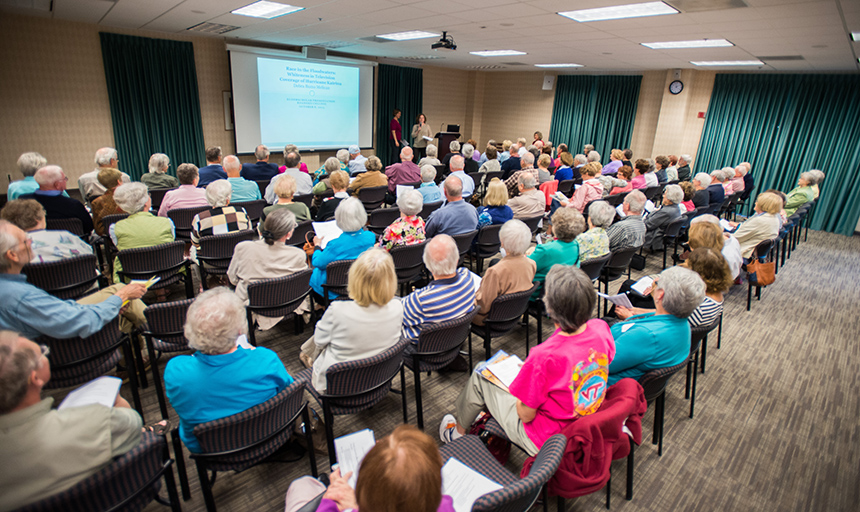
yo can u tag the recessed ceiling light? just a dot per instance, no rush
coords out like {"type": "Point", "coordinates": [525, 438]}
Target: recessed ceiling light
{"type": "Point", "coordinates": [727, 63]}
{"type": "Point", "coordinates": [617, 12]}
{"type": "Point", "coordinates": [267, 10]}
{"type": "Point", "coordinates": [558, 65]}
{"type": "Point", "coordinates": [497, 53]}
{"type": "Point", "coordinates": [406, 36]}
{"type": "Point", "coordinates": [855, 36]}
{"type": "Point", "coordinates": [698, 43]}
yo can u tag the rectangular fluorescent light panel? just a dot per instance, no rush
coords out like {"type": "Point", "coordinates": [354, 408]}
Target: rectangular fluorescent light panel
{"type": "Point", "coordinates": [558, 65]}
{"type": "Point", "coordinates": [497, 53]}
{"type": "Point", "coordinates": [406, 36]}
{"type": "Point", "coordinates": [618, 12]}
{"type": "Point", "coordinates": [727, 63]}
{"type": "Point", "coordinates": [699, 43]}
{"type": "Point", "coordinates": [267, 10]}
{"type": "Point", "coordinates": [855, 36]}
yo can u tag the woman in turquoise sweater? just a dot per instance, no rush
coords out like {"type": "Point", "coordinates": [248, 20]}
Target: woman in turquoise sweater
{"type": "Point", "coordinates": [567, 224]}
{"type": "Point", "coordinates": [141, 228]}
{"type": "Point", "coordinates": [350, 217]}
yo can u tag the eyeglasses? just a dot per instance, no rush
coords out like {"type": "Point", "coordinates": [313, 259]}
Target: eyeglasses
{"type": "Point", "coordinates": [46, 350]}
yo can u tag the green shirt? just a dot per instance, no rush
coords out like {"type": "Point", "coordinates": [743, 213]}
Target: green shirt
{"type": "Point", "coordinates": [141, 229]}
{"type": "Point", "coordinates": [553, 253]}
{"type": "Point", "coordinates": [159, 180]}
{"type": "Point", "coordinates": [300, 210]}
{"type": "Point", "coordinates": [797, 198]}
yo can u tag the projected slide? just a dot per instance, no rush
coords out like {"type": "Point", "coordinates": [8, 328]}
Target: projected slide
{"type": "Point", "coordinates": [308, 104]}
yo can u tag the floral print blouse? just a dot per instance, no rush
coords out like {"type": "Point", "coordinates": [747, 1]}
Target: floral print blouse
{"type": "Point", "coordinates": [593, 244]}
{"type": "Point", "coordinates": [404, 231]}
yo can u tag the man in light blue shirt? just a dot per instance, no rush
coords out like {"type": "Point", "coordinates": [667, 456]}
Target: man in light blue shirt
{"type": "Point", "coordinates": [458, 163]}
{"type": "Point", "coordinates": [454, 218]}
{"type": "Point", "coordinates": [356, 161]}
{"type": "Point", "coordinates": [243, 190]}
{"type": "Point", "coordinates": [28, 164]}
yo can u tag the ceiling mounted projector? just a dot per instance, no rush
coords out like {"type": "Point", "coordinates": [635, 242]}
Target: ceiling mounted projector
{"type": "Point", "coordinates": [446, 43]}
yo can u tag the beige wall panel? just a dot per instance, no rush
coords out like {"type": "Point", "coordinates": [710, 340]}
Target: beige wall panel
{"type": "Point", "coordinates": [515, 106]}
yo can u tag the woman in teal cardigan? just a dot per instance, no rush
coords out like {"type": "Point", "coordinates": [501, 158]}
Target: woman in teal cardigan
{"type": "Point", "coordinates": [350, 217]}
{"type": "Point", "coordinates": [801, 194]}
{"type": "Point", "coordinates": [141, 228]}
{"type": "Point", "coordinates": [567, 224]}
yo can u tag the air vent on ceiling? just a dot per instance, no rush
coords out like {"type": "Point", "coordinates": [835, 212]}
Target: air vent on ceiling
{"type": "Point", "coordinates": [491, 66]}
{"type": "Point", "coordinates": [514, 63]}
{"type": "Point", "coordinates": [335, 44]}
{"type": "Point", "coordinates": [212, 28]}
{"type": "Point", "coordinates": [421, 57]}
{"type": "Point", "coordinates": [773, 58]}
{"type": "Point", "coordinates": [687, 6]}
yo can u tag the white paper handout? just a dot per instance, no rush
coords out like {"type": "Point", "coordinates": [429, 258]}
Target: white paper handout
{"type": "Point", "coordinates": [351, 449]}
{"type": "Point", "coordinates": [642, 285]}
{"type": "Point", "coordinates": [477, 280]}
{"type": "Point", "coordinates": [619, 300]}
{"type": "Point", "coordinates": [99, 391]}
{"type": "Point", "coordinates": [464, 485]}
{"type": "Point", "coordinates": [401, 189]}
{"type": "Point", "coordinates": [242, 341]}
{"type": "Point", "coordinates": [428, 139]}
{"type": "Point", "coordinates": [507, 369]}
{"type": "Point", "coordinates": [327, 231]}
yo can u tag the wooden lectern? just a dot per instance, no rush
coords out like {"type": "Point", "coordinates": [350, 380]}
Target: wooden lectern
{"type": "Point", "coordinates": [445, 139]}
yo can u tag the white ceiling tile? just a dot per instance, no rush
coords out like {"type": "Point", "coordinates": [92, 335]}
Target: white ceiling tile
{"type": "Point", "coordinates": [88, 11]}
{"type": "Point", "coordinates": [136, 14]}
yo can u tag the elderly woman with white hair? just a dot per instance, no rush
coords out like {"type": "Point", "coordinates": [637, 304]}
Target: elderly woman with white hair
{"type": "Point", "coordinates": [657, 222]}
{"type": "Point", "coordinates": [594, 243]}
{"type": "Point", "coordinates": [727, 173]}
{"type": "Point", "coordinates": [364, 326]}
{"type": "Point", "coordinates": [221, 218]}
{"type": "Point", "coordinates": [431, 158]}
{"type": "Point", "coordinates": [454, 150]}
{"type": "Point", "coordinates": [470, 164]}
{"type": "Point", "coordinates": [660, 339]}
{"type": "Point", "coordinates": [157, 176]}
{"type": "Point", "coordinates": [350, 217]}
{"type": "Point", "coordinates": [817, 175]}
{"type": "Point", "coordinates": [221, 378]}
{"type": "Point", "coordinates": [801, 194]}
{"type": "Point", "coordinates": [513, 273]}
{"type": "Point", "coordinates": [429, 190]}
{"type": "Point", "coordinates": [408, 229]}
{"type": "Point", "coordinates": [141, 228]}
{"type": "Point", "coordinates": [330, 166]}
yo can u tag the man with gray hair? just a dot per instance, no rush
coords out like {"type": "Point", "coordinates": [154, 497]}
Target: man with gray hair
{"type": "Point", "coordinates": [450, 295]}
{"type": "Point", "coordinates": [684, 172]}
{"type": "Point", "coordinates": [88, 183]}
{"type": "Point", "coordinates": [593, 156]}
{"type": "Point", "coordinates": [52, 183]}
{"type": "Point", "coordinates": [657, 221]}
{"type": "Point", "coordinates": [356, 160]}
{"type": "Point", "coordinates": [242, 189]}
{"type": "Point", "coordinates": [454, 218]}
{"type": "Point", "coordinates": [529, 202]}
{"type": "Point", "coordinates": [630, 230]}
{"type": "Point", "coordinates": [46, 451]}
{"type": "Point", "coordinates": [406, 171]}
{"type": "Point", "coordinates": [304, 183]}
{"type": "Point", "coordinates": [648, 341]}
{"type": "Point", "coordinates": [28, 164]}
{"type": "Point", "coordinates": [701, 182]}
{"type": "Point", "coordinates": [458, 164]}
{"type": "Point", "coordinates": [527, 163]}
{"type": "Point", "coordinates": [261, 170]}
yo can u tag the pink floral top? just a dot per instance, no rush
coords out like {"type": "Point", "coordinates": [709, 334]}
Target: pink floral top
{"type": "Point", "coordinates": [404, 231]}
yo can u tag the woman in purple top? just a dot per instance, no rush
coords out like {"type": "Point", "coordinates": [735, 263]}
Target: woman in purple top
{"type": "Point", "coordinates": [394, 139]}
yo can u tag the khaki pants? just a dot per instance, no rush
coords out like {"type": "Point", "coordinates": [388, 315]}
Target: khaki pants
{"type": "Point", "coordinates": [480, 393]}
{"type": "Point", "coordinates": [133, 315]}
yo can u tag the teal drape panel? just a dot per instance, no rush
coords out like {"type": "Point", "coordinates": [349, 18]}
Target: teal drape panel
{"type": "Point", "coordinates": [154, 102]}
{"type": "Point", "coordinates": [784, 125]}
{"type": "Point", "coordinates": [598, 110]}
{"type": "Point", "coordinates": [397, 87]}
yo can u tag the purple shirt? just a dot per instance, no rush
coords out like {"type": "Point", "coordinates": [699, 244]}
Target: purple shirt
{"type": "Point", "coordinates": [186, 196]}
{"type": "Point", "coordinates": [394, 127]}
{"type": "Point", "coordinates": [403, 172]}
{"type": "Point", "coordinates": [612, 166]}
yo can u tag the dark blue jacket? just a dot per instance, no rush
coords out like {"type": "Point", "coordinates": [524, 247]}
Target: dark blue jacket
{"type": "Point", "coordinates": [210, 173]}
{"type": "Point", "coordinates": [259, 171]}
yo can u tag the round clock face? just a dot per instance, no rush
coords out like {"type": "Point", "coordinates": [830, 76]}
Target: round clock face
{"type": "Point", "coordinates": [676, 87]}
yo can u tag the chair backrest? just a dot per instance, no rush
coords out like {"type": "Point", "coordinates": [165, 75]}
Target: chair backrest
{"type": "Point", "coordinates": [298, 238]}
{"type": "Point", "coordinates": [308, 199]}
{"type": "Point", "coordinates": [68, 278]}
{"type": "Point", "coordinates": [357, 385]}
{"type": "Point", "coordinates": [113, 218]}
{"type": "Point", "coordinates": [78, 360]}
{"type": "Point", "coordinates": [464, 241]}
{"type": "Point", "coordinates": [492, 174]}
{"type": "Point", "coordinates": [408, 261]}
{"type": "Point", "coordinates": [71, 224]}
{"type": "Point", "coordinates": [439, 342]}
{"type": "Point", "coordinates": [182, 218]}
{"type": "Point", "coordinates": [593, 266]}
{"type": "Point", "coordinates": [253, 209]}
{"type": "Point", "coordinates": [163, 260]}
{"type": "Point", "coordinates": [488, 243]}
{"type": "Point", "coordinates": [616, 199]}
{"type": "Point", "coordinates": [506, 310]}
{"type": "Point", "coordinates": [428, 209]}
{"type": "Point", "coordinates": [157, 196]}
{"type": "Point", "coordinates": [674, 227]}
{"type": "Point", "coordinates": [698, 333]}
{"type": "Point", "coordinates": [337, 276]}
{"type": "Point", "coordinates": [565, 186]}
{"type": "Point", "coordinates": [476, 177]}
{"type": "Point", "coordinates": [654, 382]}
{"type": "Point", "coordinates": [652, 193]}
{"type": "Point", "coordinates": [165, 324]}
{"type": "Point", "coordinates": [441, 171]}
{"type": "Point", "coordinates": [217, 250]}
{"type": "Point", "coordinates": [619, 261]}
{"type": "Point", "coordinates": [129, 482]}
{"type": "Point", "coordinates": [242, 440]}
{"type": "Point", "coordinates": [762, 250]}
{"type": "Point", "coordinates": [279, 296]}
{"type": "Point", "coordinates": [381, 218]}
{"type": "Point", "coordinates": [372, 197]}
{"type": "Point", "coordinates": [533, 223]}
{"type": "Point", "coordinates": [262, 185]}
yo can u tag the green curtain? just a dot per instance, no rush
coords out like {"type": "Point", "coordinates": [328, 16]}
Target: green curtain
{"type": "Point", "coordinates": [154, 102]}
{"type": "Point", "coordinates": [598, 110]}
{"type": "Point", "coordinates": [397, 87]}
{"type": "Point", "coordinates": [784, 125]}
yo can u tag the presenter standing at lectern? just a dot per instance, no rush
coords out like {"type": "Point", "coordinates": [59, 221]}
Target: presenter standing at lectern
{"type": "Point", "coordinates": [419, 131]}
{"type": "Point", "coordinates": [394, 138]}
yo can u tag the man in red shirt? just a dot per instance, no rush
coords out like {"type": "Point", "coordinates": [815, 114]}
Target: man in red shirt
{"type": "Point", "coordinates": [404, 172]}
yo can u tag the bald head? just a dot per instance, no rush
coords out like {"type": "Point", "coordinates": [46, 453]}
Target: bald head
{"type": "Point", "coordinates": [458, 163]}
{"type": "Point", "coordinates": [453, 188]}
{"type": "Point", "coordinates": [19, 358]}
{"type": "Point", "coordinates": [406, 154]}
{"type": "Point", "coordinates": [232, 166]}
{"type": "Point", "coordinates": [51, 177]}
{"type": "Point", "coordinates": [441, 256]}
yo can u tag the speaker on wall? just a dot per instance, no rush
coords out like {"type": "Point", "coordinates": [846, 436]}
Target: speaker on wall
{"type": "Point", "coordinates": [548, 80]}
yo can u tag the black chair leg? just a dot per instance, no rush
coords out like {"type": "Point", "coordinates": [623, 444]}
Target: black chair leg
{"type": "Point", "coordinates": [560, 505]}
{"type": "Point", "coordinates": [539, 328]}
{"type": "Point", "coordinates": [206, 487]}
{"type": "Point", "coordinates": [662, 412]}
{"type": "Point", "coordinates": [138, 353]}
{"type": "Point", "coordinates": [419, 406]}
{"type": "Point", "coordinates": [690, 366]}
{"type": "Point", "coordinates": [180, 464]}
{"type": "Point", "coordinates": [252, 328]}
{"type": "Point", "coordinates": [608, 491]}
{"type": "Point", "coordinates": [470, 351]}
{"type": "Point", "coordinates": [202, 274]}
{"type": "Point", "coordinates": [749, 296]}
{"type": "Point", "coordinates": [329, 433]}
{"type": "Point", "coordinates": [170, 483]}
{"type": "Point", "coordinates": [704, 351]}
{"type": "Point", "coordinates": [189, 283]}
{"type": "Point", "coordinates": [132, 376]}
{"type": "Point", "coordinates": [403, 394]}
{"type": "Point", "coordinates": [309, 439]}
{"type": "Point", "coordinates": [630, 466]}
{"type": "Point", "coordinates": [693, 394]}
{"type": "Point", "coordinates": [487, 345]}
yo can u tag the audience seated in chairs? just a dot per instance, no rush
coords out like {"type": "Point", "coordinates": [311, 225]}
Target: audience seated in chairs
{"type": "Point", "coordinates": [567, 224]}
{"type": "Point", "coordinates": [594, 243]}
{"type": "Point", "coordinates": [458, 164]}
{"type": "Point", "coordinates": [512, 181]}
{"type": "Point", "coordinates": [590, 190]}
{"type": "Point", "coordinates": [350, 217]}
{"type": "Point", "coordinates": [157, 176]}
{"type": "Point", "coordinates": [105, 204]}
{"type": "Point", "coordinates": [689, 193]}
{"type": "Point", "coordinates": [764, 225]}
{"type": "Point", "coordinates": [28, 164]}
{"type": "Point", "coordinates": [611, 183]}
{"type": "Point", "coordinates": [221, 218]}
{"type": "Point", "coordinates": [658, 220]}
{"type": "Point", "coordinates": [221, 378]}
{"type": "Point", "coordinates": [187, 195]}
{"type": "Point", "coordinates": [364, 326]}
{"type": "Point", "coordinates": [543, 163]}
{"type": "Point", "coordinates": [405, 171]}
{"type": "Point", "coordinates": [625, 174]}
{"type": "Point", "coordinates": [630, 230]}
{"type": "Point", "coordinates": [212, 170]}
{"type": "Point", "coordinates": [496, 209]}
{"type": "Point", "coordinates": [429, 190]}
{"type": "Point", "coordinates": [88, 183]}
{"type": "Point", "coordinates": [242, 190]}
{"type": "Point", "coordinates": [710, 236]}
{"type": "Point", "coordinates": [491, 164]}
{"type": "Point", "coordinates": [450, 295]}
{"type": "Point", "coordinates": [409, 228]}
{"type": "Point", "coordinates": [641, 169]}
{"type": "Point", "coordinates": [797, 197]}
{"type": "Point", "coordinates": [738, 178]}
{"type": "Point", "coordinates": [141, 228]}
{"type": "Point", "coordinates": [540, 402]}
{"type": "Point", "coordinates": [33, 312]}
{"type": "Point", "coordinates": [513, 273]}
{"type": "Point", "coordinates": [727, 173]}
{"type": "Point", "coordinates": [403, 471]}
{"type": "Point", "coordinates": [432, 152]}
{"type": "Point", "coordinates": [304, 182]}
{"type": "Point", "coordinates": [46, 451]}
{"type": "Point", "coordinates": [339, 181]}
{"type": "Point", "coordinates": [456, 216]}
{"type": "Point", "coordinates": [46, 246]}
{"type": "Point", "coordinates": [529, 202]}
{"type": "Point", "coordinates": [285, 189]}
{"type": "Point", "coordinates": [267, 258]}
{"type": "Point", "coordinates": [818, 176]}
{"type": "Point", "coordinates": [701, 182]}
{"type": "Point", "coordinates": [661, 339]}
{"type": "Point", "coordinates": [373, 177]}
{"type": "Point", "coordinates": [323, 183]}
{"type": "Point", "coordinates": [52, 184]}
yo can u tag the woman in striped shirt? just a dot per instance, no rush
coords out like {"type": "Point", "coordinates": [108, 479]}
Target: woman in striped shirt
{"type": "Point", "coordinates": [714, 270]}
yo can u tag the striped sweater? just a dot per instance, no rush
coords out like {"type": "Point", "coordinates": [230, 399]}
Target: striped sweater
{"type": "Point", "coordinates": [441, 300]}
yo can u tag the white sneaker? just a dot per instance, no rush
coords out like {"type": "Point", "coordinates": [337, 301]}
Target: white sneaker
{"type": "Point", "coordinates": [448, 429]}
